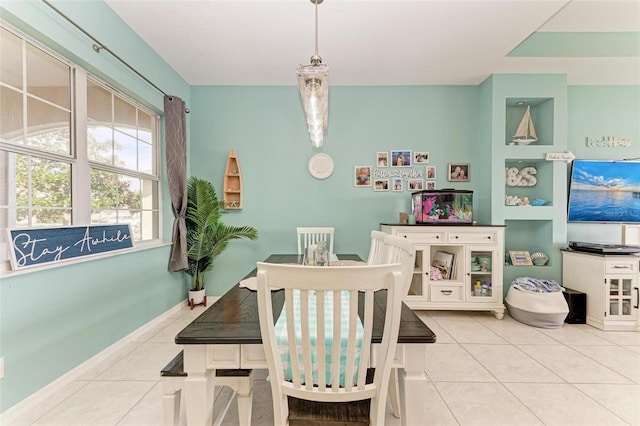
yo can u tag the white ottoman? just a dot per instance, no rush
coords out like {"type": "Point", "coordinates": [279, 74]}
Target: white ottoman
{"type": "Point", "coordinates": [534, 307]}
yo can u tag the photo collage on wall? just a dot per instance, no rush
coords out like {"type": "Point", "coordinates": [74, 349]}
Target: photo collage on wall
{"type": "Point", "coordinates": [397, 171]}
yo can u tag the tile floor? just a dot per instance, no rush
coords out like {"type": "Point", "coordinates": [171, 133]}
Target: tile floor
{"type": "Point", "coordinates": [482, 371]}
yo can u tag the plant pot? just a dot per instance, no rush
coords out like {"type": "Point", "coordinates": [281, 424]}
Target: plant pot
{"type": "Point", "coordinates": [197, 297]}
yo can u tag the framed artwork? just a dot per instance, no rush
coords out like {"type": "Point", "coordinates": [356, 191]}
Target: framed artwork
{"type": "Point", "coordinates": [416, 184]}
{"type": "Point", "coordinates": [382, 159]}
{"type": "Point", "coordinates": [381, 185]}
{"type": "Point", "coordinates": [458, 172]}
{"type": "Point", "coordinates": [362, 176]}
{"type": "Point", "coordinates": [431, 172]}
{"type": "Point", "coordinates": [397, 184]}
{"type": "Point", "coordinates": [431, 185]}
{"type": "Point", "coordinates": [520, 258]}
{"type": "Point", "coordinates": [401, 158]}
{"type": "Point", "coordinates": [421, 157]}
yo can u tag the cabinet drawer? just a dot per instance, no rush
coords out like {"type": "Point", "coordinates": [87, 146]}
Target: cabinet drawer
{"type": "Point", "coordinates": [446, 293]}
{"type": "Point", "coordinates": [424, 237]}
{"type": "Point", "coordinates": [473, 237]}
{"type": "Point", "coordinates": [622, 266]}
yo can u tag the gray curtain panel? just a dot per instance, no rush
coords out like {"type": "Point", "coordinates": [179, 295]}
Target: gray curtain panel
{"type": "Point", "coordinates": [176, 154]}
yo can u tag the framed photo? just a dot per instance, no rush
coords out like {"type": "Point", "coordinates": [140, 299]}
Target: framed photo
{"type": "Point", "coordinates": [431, 185]}
{"type": "Point", "coordinates": [520, 258]}
{"type": "Point", "coordinates": [397, 184]}
{"type": "Point", "coordinates": [431, 172]}
{"type": "Point", "coordinates": [458, 172]}
{"type": "Point", "coordinates": [416, 184]}
{"type": "Point", "coordinates": [382, 159]}
{"type": "Point", "coordinates": [421, 157]}
{"type": "Point", "coordinates": [401, 158]}
{"type": "Point", "coordinates": [362, 176]}
{"type": "Point", "coordinates": [381, 185]}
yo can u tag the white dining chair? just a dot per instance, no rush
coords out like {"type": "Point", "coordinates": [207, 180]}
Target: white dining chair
{"type": "Point", "coordinates": [377, 249]}
{"type": "Point", "coordinates": [403, 251]}
{"type": "Point", "coordinates": [313, 235]}
{"type": "Point", "coordinates": [330, 299]}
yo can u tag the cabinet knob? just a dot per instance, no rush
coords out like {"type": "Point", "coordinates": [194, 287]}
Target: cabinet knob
{"type": "Point", "coordinates": [456, 237]}
{"type": "Point", "coordinates": [437, 236]}
{"type": "Point", "coordinates": [446, 292]}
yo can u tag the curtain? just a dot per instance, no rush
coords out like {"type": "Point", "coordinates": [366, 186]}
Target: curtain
{"type": "Point", "coordinates": [176, 156]}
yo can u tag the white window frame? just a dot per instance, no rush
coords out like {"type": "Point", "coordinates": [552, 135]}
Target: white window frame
{"type": "Point", "coordinates": [78, 157]}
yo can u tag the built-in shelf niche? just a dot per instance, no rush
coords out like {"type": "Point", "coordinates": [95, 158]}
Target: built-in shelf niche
{"type": "Point", "coordinates": [541, 114]}
{"type": "Point", "coordinates": [543, 188]}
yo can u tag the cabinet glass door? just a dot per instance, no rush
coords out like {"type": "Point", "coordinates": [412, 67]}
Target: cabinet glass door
{"type": "Point", "coordinates": [418, 280]}
{"type": "Point", "coordinates": [479, 267]}
{"type": "Point", "coordinates": [620, 298]}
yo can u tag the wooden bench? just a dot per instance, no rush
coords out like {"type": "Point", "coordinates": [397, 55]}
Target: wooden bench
{"type": "Point", "coordinates": [173, 376]}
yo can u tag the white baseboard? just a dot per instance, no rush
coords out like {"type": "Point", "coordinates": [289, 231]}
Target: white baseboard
{"type": "Point", "coordinates": [45, 392]}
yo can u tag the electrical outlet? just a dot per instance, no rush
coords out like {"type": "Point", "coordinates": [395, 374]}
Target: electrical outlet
{"type": "Point", "coordinates": [1, 367]}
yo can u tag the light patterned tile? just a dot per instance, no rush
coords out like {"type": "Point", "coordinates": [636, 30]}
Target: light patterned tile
{"type": "Point", "coordinates": [516, 332]}
{"type": "Point", "coordinates": [549, 403]}
{"type": "Point", "coordinates": [509, 364]}
{"type": "Point", "coordinates": [168, 334]}
{"type": "Point", "coordinates": [452, 363]}
{"type": "Point", "coordinates": [622, 400]}
{"type": "Point", "coordinates": [628, 338]}
{"type": "Point", "coordinates": [98, 403]}
{"type": "Point", "coordinates": [574, 334]}
{"type": "Point", "coordinates": [468, 330]}
{"type": "Point", "coordinates": [571, 365]}
{"type": "Point", "coordinates": [144, 363]}
{"type": "Point", "coordinates": [617, 358]}
{"type": "Point", "coordinates": [485, 404]}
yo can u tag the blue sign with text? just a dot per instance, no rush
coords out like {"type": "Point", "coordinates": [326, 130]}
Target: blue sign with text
{"type": "Point", "coordinates": [31, 247]}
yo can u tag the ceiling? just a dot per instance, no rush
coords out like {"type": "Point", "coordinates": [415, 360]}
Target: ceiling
{"type": "Point", "coordinates": [391, 42]}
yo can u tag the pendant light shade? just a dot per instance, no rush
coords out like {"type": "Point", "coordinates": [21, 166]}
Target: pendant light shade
{"type": "Point", "coordinates": [313, 80]}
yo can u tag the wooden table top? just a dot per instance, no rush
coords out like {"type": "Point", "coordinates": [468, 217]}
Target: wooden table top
{"type": "Point", "coordinates": [233, 318]}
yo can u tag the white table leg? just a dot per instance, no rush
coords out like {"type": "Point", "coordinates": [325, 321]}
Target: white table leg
{"type": "Point", "coordinates": [198, 386]}
{"type": "Point", "coordinates": [413, 384]}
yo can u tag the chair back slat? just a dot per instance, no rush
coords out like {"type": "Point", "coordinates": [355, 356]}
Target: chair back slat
{"type": "Point", "coordinates": [403, 251]}
{"type": "Point", "coordinates": [314, 235]}
{"type": "Point", "coordinates": [377, 250]}
{"type": "Point", "coordinates": [344, 301]}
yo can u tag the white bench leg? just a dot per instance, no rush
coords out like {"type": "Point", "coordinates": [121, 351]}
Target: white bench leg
{"type": "Point", "coordinates": [172, 391]}
{"type": "Point", "coordinates": [244, 388]}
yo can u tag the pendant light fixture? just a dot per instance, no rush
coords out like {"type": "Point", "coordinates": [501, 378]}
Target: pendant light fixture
{"type": "Point", "coordinates": [313, 80]}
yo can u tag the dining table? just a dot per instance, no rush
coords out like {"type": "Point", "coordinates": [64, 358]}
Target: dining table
{"type": "Point", "coordinates": [227, 336]}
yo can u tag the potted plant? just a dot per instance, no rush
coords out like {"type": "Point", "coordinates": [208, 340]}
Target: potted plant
{"type": "Point", "coordinates": [207, 235]}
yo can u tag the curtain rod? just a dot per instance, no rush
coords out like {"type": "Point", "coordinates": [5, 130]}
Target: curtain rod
{"type": "Point", "coordinates": [98, 45]}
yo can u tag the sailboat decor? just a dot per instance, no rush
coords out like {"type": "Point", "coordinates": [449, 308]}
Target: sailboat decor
{"type": "Point", "coordinates": [526, 133]}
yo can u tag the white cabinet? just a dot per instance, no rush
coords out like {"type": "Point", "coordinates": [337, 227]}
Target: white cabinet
{"type": "Point", "coordinates": [475, 280]}
{"type": "Point", "coordinates": [611, 285]}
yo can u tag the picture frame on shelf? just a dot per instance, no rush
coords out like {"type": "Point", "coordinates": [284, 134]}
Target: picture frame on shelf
{"type": "Point", "coordinates": [401, 158]}
{"type": "Point", "coordinates": [421, 157]}
{"type": "Point", "coordinates": [458, 172]}
{"type": "Point", "coordinates": [431, 172]}
{"type": "Point", "coordinates": [381, 185]}
{"type": "Point", "coordinates": [382, 159]}
{"type": "Point", "coordinates": [520, 258]}
{"type": "Point", "coordinates": [397, 185]}
{"type": "Point", "coordinates": [362, 176]}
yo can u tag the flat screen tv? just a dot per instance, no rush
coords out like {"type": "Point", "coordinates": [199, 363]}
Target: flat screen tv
{"type": "Point", "coordinates": [604, 191]}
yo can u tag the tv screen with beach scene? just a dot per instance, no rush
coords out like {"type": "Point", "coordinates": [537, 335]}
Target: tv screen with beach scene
{"type": "Point", "coordinates": [604, 191]}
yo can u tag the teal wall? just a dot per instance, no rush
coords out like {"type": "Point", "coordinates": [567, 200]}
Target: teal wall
{"type": "Point", "coordinates": [266, 128]}
{"type": "Point", "coordinates": [54, 319]}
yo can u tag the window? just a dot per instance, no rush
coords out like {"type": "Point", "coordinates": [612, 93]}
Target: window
{"type": "Point", "coordinates": [70, 159]}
